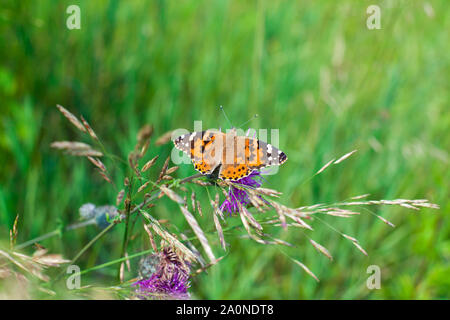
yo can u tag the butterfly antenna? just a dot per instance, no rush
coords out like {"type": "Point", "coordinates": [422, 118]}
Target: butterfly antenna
{"type": "Point", "coordinates": [252, 118]}
{"type": "Point", "coordinates": [225, 115]}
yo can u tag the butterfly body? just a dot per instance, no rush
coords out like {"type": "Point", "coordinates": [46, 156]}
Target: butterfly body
{"type": "Point", "coordinates": [228, 155]}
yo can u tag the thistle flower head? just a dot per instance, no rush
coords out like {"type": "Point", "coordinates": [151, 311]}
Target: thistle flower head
{"type": "Point", "coordinates": [174, 287]}
{"type": "Point", "coordinates": [236, 195]}
{"type": "Point", "coordinates": [165, 275]}
{"type": "Point", "coordinates": [102, 215]}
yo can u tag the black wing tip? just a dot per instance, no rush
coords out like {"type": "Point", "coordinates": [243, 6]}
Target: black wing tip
{"type": "Point", "coordinates": [282, 157]}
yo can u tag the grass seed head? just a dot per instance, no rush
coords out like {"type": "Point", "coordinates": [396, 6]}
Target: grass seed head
{"type": "Point", "coordinates": [69, 116]}
{"type": "Point", "coordinates": [89, 129]}
{"type": "Point", "coordinates": [149, 164]}
{"type": "Point", "coordinates": [76, 148]}
{"type": "Point", "coordinates": [165, 138]}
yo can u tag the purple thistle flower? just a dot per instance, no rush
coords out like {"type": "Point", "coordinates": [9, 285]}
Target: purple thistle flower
{"type": "Point", "coordinates": [170, 280]}
{"type": "Point", "coordinates": [174, 287]}
{"type": "Point", "coordinates": [236, 195]}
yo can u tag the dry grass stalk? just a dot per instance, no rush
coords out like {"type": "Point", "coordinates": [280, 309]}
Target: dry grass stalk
{"type": "Point", "coordinates": [207, 266]}
{"type": "Point", "coordinates": [349, 237]}
{"type": "Point", "coordinates": [360, 196]}
{"type": "Point", "coordinates": [127, 203]}
{"type": "Point", "coordinates": [172, 195]}
{"type": "Point", "coordinates": [144, 148]}
{"type": "Point", "coordinates": [279, 208]}
{"type": "Point", "coordinates": [119, 197]}
{"type": "Point", "coordinates": [133, 159]}
{"type": "Point", "coordinates": [35, 264]}
{"type": "Point", "coordinates": [165, 138]}
{"type": "Point", "coordinates": [360, 248]}
{"type": "Point", "coordinates": [127, 262]}
{"type": "Point", "coordinates": [257, 202]}
{"type": "Point", "coordinates": [104, 176]}
{"type": "Point", "coordinates": [411, 204]}
{"type": "Point", "coordinates": [337, 214]}
{"type": "Point", "coordinates": [89, 129]}
{"type": "Point", "coordinates": [277, 223]}
{"type": "Point", "coordinates": [321, 249]}
{"type": "Point", "coordinates": [215, 206]}
{"type": "Point", "coordinates": [134, 156]}
{"type": "Point", "coordinates": [169, 238]}
{"type": "Point", "coordinates": [310, 207]}
{"type": "Point", "coordinates": [51, 260]}
{"type": "Point", "coordinates": [13, 233]}
{"type": "Point", "coordinates": [246, 225]}
{"type": "Point", "coordinates": [244, 220]}
{"type": "Point", "coordinates": [143, 135]}
{"type": "Point", "coordinates": [259, 240]}
{"type": "Point", "coordinates": [145, 185]}
{"type": "Point", "coordinates": [333, 161]}
{"type": "Point", "coordinates": [405, 205]}
{"type": "Point", "coordinates": [345, 156]}
{"type": "Point", "coordinates": [202, 183]}
{"type": "Point", "coordinates": [167, 178]}
{"type": "Point", "coordinates": [149, 164]}
{"type": "Point", "coordinates": [250, 218]}
{"type": "Point", "coordinates": [193, 249]}
{"type": "Point", "coordinates": [299, 221]}
{"type": "Point", "coordinates": [282, 242]}
{"type": "Point", "coordinates": [355, 243]}
{"type": "Point", "coordinates": [162, 173]}
{"type": "Point", "coordinates": [172, 170]}
{"type": "Point", "coordinates": [76, 148]}
{"type": "Point", "coordinates": [193, 201]}
{"type": "Point", "coordinates": [151, 238]}
{"type": "Point", "coordinates": [198, 232]}
{"type": "Point", "coordinates": [164, 168]}
{"type": "Point", "coordinates": [69, 116]}
{"type": "Point", "coordinates": [14, 261]}
{"type": "Point", "coordinates": [333, 211]}
{"type": "Point", "coordinates": [324, 167]}
{"type": "Point", "coordinates": [121, 272]}
{"type": "Point", "coordinates": [386, 221]}
{"type": "Point", "coordinates": [219, 230]}
{"type": "Point", "coordinates": [96, 162]}
{"type": "Point", "coordinates": [276, 241]}
{"type": "Point", "coordinates": [226, 195]}
{"type": "Point", "coordinates": [306, 269]}
{"type": "Point", "coordinates": [268, 192]}
{"type": "Point", "coordinates": [199, 208]}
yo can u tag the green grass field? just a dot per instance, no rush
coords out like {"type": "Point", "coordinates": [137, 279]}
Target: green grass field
{"type": "Point", "coordinates": [313, 70]}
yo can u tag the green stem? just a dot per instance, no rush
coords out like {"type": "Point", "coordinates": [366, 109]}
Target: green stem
{"type": "Point", "coordinates": [127, 220]}
{"type": "Point", "coordinates": [55, 233]}
{"type": "Point", "coordinates": [110, 263]}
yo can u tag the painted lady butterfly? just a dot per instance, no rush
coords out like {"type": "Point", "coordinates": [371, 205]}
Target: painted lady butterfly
{"type": "Point", "coordinates": [226, 155]}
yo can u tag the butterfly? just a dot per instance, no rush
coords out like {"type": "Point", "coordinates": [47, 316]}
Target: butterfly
{"type": "Point", "coordinates": [227, 155]}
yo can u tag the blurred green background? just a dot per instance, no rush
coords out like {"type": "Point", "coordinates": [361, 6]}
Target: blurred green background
{"type": "Point", "coordinates": [311, 69]}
